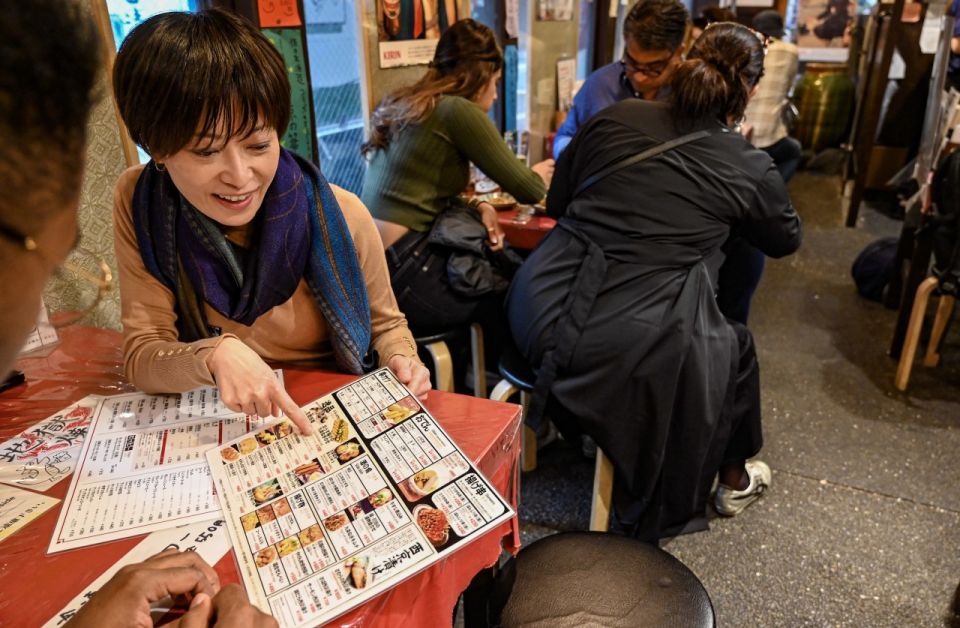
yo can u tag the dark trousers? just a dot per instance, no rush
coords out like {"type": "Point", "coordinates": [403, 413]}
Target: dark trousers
{"type": "Point", "coordinates": [431, 307]}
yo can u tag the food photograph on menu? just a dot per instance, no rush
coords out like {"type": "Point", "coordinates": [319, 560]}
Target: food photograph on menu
{"type": "Point", "coordinates": [376, 493]}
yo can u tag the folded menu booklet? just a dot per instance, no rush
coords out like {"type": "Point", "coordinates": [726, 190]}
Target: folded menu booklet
{"type": "Point", "coordinates": [376, 493]}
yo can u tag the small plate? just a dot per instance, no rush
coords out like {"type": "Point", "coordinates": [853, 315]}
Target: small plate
{"type": "Point", "coordinates": [501, 201]}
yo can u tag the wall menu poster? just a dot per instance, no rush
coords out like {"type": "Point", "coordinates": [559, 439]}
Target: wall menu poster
{"type": "Point", "coordinates": [320, 524]}
{"type": "Point", "coordinates": [408, 30]}
{"type": "Point", "coordinates": [142, 466]}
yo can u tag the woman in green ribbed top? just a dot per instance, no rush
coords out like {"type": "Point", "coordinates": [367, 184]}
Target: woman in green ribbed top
{"type": "Point", "coordinates": [423, 139]}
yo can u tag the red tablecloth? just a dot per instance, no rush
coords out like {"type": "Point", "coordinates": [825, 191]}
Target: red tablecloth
{"type": "Point", "coordinates": [524, 235]}
{"type": "Point", "coordinates": [36, 586]}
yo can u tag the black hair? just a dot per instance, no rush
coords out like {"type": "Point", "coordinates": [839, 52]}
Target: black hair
{"type": "Point", "coordinates": [723, 66]}
{"type": "Point", "coordinates": [50, 54]}
{"type": "Point", "coordinates": [179, 76]}
{"type": "Point", "coordinates": [656, 24]}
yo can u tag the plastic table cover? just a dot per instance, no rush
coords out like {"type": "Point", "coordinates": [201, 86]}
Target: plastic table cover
{"type": "Point", "coordinates": [89, 361]}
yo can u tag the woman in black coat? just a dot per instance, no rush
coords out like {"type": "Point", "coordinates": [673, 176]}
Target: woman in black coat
{"type": "Point", "coordinates": [616, 309]}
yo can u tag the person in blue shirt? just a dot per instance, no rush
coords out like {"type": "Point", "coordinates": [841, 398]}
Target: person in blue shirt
{"type": "Point", "coordinates": [653, 45]}
{"type": "Point", "coordinates": [953, 69]}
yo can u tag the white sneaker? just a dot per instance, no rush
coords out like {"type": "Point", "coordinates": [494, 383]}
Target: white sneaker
{"type": "Point", "coordinates": [730, 502]}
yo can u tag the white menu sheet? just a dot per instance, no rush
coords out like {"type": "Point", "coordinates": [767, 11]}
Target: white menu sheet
{"type": "Point", "coordinates": [378, 492]}
{"type": "Point", "coordinates": [45, 453]}
{"type": "Point", "coordinates": [142, 467]}
{"type": "Point", "coordinates": [19, 507]}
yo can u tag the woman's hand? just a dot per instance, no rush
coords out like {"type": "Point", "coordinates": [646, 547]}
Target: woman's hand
{"type": "Point", "coordinates": [248, 385]}
{"type": "Point", "coordinates": [545, 170]}
{"type": "Point", "coordinates": [488, 215]}
{"type": "Point", "coordinates": [411, 374]}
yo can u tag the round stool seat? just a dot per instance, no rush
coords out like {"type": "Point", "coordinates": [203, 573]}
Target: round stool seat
{"type": "Point", "coordinates": [580, 579]}
{"type": "Point", "coordinates": [444, 336]}
{"type": "Point", "coordinates": [513, 367]}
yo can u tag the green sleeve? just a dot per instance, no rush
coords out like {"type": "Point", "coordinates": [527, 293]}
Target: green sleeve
{"type": "Point", "coordinates": [475, 136]}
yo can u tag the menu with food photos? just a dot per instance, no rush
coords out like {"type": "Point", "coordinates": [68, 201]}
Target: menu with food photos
{"type": "Point", "coordinates": [142, 466]}
{"type": "Point", "coordinates": [377, 492]}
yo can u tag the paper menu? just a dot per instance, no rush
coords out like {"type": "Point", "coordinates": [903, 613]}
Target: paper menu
{"type": "Point", "coordinates": [19, 507]}
{"type": "Point", "coordinates": [142, 466]}
{"type": "Point", "coordinates": [45, 453]}
{"type": "Point", "coordinates": [320, 524]}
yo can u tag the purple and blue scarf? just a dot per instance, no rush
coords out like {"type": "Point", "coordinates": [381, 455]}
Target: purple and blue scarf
{"type": "Point", "coordinates": [299, 233]}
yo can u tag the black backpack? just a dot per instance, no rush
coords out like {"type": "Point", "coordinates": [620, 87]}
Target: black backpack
{"type": "Point", "coordinates": [873, 268]}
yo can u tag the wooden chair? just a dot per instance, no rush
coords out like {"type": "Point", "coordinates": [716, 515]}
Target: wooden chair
{"type": "Point", "coordinates": [518, 377]}
{"type": "Point", "coordinates": [944, 311]}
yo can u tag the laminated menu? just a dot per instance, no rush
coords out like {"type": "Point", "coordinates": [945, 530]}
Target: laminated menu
{"type": "Point", "coordinates": [142, 466]}
{"type": "Point", "coordinates": [376, 493]}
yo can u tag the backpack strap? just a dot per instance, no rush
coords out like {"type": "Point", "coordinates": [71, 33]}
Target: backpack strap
{"type": "Point", "coordinates": [649, 153]}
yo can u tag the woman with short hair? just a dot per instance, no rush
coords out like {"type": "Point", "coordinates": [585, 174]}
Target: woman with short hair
{"type": "Point", "coordinates": [232, 250]}
{"type": "Point", "coordinates": [616, 312]}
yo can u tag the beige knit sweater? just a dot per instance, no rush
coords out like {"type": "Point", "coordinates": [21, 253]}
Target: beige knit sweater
{"type": "Point", "coordinates": [293, 332]}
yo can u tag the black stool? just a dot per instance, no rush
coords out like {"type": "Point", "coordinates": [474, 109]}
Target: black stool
{"type": "Point", "coordinates": [580, 579]}
{"type": "Point", "coordinates": [442, 364]}
{"type": "Point", "coordinates": [519, 377]}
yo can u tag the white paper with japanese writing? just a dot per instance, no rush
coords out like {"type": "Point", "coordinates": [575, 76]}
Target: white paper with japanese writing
{"type": "Point", "coordinates": [320, 524]}
{"type": "Point", "coordinates": [19, 507]}
{"type": "Point", "coordinates": [42, 455]}
{"type": "Point", "coordinates": [142, 466]}
{"type": "Point", "coordinates": [208, 539]}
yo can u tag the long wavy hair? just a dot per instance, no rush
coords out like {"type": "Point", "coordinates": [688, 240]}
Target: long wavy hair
{"type": "Point", "coordinates": [467, 57]}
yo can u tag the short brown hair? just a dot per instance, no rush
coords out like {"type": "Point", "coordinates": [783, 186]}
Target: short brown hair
{"type": "Point", "coordinates": [181, 75]}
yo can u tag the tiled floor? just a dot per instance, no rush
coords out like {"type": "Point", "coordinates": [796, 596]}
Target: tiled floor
{"type": "Point", "coordinates": [862, 524]}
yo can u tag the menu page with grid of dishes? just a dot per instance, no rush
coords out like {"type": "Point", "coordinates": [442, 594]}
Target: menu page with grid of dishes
{"type": "Point", "coordinates": [376, 493]}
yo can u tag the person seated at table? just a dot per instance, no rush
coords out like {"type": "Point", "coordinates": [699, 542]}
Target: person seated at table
{"type": "Point", "coordinates": [709, 15]}
{"type": "Point", "coordinates": [51, 61]}
{"type": "Point", "coordinates": [616, 312]}
{"type": "Point", "coordinates": [423, 138]}
{"type": "Point", "coordinates": [653, 34]}
{"type": "Point", "coordinates": [232, 250]}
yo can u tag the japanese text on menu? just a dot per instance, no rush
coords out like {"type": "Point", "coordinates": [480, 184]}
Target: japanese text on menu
{"type": "Point", "coordinates": [323, 523]}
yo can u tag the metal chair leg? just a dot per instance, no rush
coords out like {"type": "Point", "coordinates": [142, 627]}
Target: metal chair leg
{"type": "Point", "coordinates": [479, 361]}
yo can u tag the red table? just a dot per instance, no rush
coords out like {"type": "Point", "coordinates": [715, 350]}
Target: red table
{"type": "Point", "coordinates": [89, 361]}
{"type": "Point", "coordinates": [524, 235]}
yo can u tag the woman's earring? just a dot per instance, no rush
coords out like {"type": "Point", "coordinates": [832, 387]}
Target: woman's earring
{"type": "Point", "coordinates": [159, 166]}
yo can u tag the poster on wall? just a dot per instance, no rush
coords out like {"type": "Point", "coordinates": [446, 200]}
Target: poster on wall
{"type": "Point", "coordinates": [299, 134]}
{"type": "Point", "coordinates": [823, 29]}
{"type": "Point", "coordinates": [555, 10]}
{"type": "Point", "coordinates": [408, 30]}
